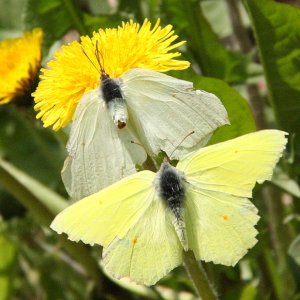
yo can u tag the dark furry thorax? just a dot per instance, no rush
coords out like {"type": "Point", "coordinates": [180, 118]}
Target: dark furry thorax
{"type": "Point", "coordinates": [170, 188]}
{"type": "Point", "coordinates": [110, 88]}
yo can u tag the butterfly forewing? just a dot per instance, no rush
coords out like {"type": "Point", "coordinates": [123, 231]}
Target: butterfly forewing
{"type": "Point", "coordinates": [235, 166]}
{"type": "Point", "coordinates": [110, 213]}
{"type": "Point", "coordinates": [99, 153]}
{"type": "Point", "coordinates": [164, 109]}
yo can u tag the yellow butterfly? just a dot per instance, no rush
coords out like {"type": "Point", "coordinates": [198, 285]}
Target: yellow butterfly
{"type": "Point", "coordinates": [146, 220]}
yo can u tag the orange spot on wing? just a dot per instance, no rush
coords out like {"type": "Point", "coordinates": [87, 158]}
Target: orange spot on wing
{"type": "Point", "coordinates": [134, 241]}
{"type": "Point", "coordinates": [225, 217]}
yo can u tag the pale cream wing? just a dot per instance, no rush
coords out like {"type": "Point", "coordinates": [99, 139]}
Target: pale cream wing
{"type": "Point", "coordinates": [165, 109]}
{"type": "Point", "coordinates": [99, 153]}
{"type": "Point", "coordinates": [108, 214]}
{"type": "Point", "coordinates": [148, 251]}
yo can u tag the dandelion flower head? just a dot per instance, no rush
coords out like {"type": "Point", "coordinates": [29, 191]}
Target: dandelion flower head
{"type": "Point", "coordinates": [70, 74]}
{"type": "Point", "coordinates": [20, 60]}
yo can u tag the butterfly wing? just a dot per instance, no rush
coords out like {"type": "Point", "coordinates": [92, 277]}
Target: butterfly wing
{"type": "Point", "coordinates": [165, 109]}
{"type": "Point", "coordinates": [148, 251]}
{"type": "Point", "coordinates": [219, 218]}
{"type": "Point", "coordinates": [220, 227]}
{"type": "Point", "coordinates": [99, 153]}
{"type": "Point", "coordinates": [110, 213]}
{"type": "Point", "coordinates": [235, 166]}
{"type": "Point", "coordinates": [131, 223]}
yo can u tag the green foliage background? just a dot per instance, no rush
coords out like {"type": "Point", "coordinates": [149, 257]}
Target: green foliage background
{"type": "Point", "coordinates": [247, 53]}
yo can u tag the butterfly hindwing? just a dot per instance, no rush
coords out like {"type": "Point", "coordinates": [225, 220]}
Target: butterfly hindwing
{"type": "Point", "coordinates": [165, 109]}
{"type": "Point", "coordinates": [99, 153]}
{"type": "Point", "coordinates": [148, 251]}
{"type": "Point", "coordinates": [110, 213]}
{"type": "Point", "coordinates": [219, 218]}
{"type": "Point", "coordinates": [220, 227]}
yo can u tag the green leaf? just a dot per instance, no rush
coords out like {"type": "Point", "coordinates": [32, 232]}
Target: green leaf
{"type": "Point", "coordinates": [29, 146]}
{"type": "Point", "coordinates": [218, 15]}
{"type": "Point", "coordinates": [8, 260]}
{"type": "Point", "coordinates": [132, 7]}
{"type": "Point", "coordinates": [94, 23]}
{"type": "Point", "coordinates": [44, 204]}
{"type": "Point", "coordinates": [237, 108]}
{"type": "Point", "coordinates": [41, 201]}
{"type": "Point", "coordinates": [205, 47]}
{"type": "Point", "coordinates": [10, 14]}
{"type": "Point", "coordinates": [55, 17]}
{"type": "Point", "coordinates": [277, 30]}
{"type": "Point", "coordinates": [249, 292]}
{"type": "Point", "coordinates": [141, 9]}
{"type": "Point", "coordinates": [282, 180]}
{"type": "Point", "coordinates": [276, 279]}
{"type": "Point", "coordinates": [294, 249]}
{"type": "Point", "coordinates": [133, 287]}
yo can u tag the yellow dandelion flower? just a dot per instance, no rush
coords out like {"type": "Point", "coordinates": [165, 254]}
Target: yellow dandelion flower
{"type": "Point", "coordinates": [70, 74]}
{"type": "Point", "coordinates": [20, 60]}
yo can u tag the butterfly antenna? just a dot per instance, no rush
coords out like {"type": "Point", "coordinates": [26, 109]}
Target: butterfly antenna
{"type": "Point", "coordinates": [98, 54]}
{"type": "Point", "coordinates": [89, 59]}
{"type": "Point", "coordinates": [149, 163]}
{"type": "Point", "coordinates": [137, 143]}
{"type": "Point", "coordinates": [192, 132]}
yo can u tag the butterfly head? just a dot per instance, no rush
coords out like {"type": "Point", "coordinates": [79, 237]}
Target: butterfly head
{"type": "Point", "coordinates": [110, 91]}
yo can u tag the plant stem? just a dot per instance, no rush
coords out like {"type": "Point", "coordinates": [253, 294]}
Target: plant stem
{"type": "Point", "coordinates": [281, 278]}
{"type": "Point", "coordinates": [270, 201]}
{"type": "Point", "coordinates": [245, 45]}
{"type": "Point", "coordinates": [24, 196]}
{"type": "Point", "coordinates": [196, 21]}
{"type": "Point", "coordinates": [82, 255]}
{"type": "Point", "coordinates": [69, 4]}
{"type": "Point", "coordinates": [238, 27]}
{"type": "Point", "coordinates": [198, 277]}
{"type": "Point", "coordinates": [274, 276]}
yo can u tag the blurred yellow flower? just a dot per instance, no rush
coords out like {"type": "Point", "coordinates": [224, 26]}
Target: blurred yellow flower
{"type": "Point", "coordinates": [70, 74]}
{"type": "Point", "coordinates": [20, 60]}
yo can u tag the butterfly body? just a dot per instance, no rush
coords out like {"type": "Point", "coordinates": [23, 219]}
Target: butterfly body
{"type": "Point", "coordinates": [170, 188]}
{"type": "Point", "coordinates": [113, 98]}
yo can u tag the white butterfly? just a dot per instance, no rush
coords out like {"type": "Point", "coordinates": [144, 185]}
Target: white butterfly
{"type": "Point", "coordinates": [144, 106]}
